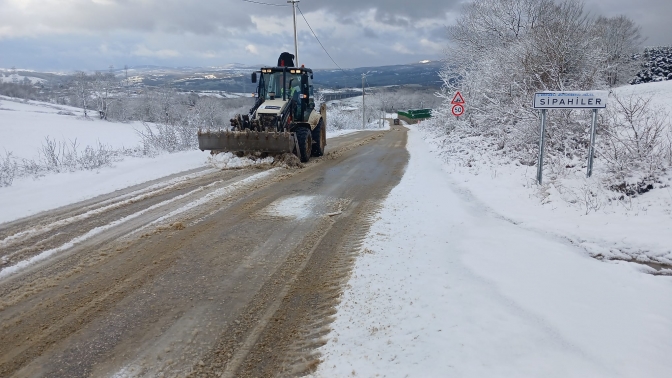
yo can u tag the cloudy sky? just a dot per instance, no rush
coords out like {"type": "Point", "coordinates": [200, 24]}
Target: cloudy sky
{"type": "Point", "coordinates": [94, 34]}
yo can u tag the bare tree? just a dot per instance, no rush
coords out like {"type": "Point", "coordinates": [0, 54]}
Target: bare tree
{"type": "Point", "coordinates": [102, 86]}
{"type": "Point", "coordinates": [209, 111]}
{"type": "Point", "coordinates": [620, 39]}
{"type": "Point", "coordinates": [82, 86]}
{"type": "Point", "coordinates": [636, 140]}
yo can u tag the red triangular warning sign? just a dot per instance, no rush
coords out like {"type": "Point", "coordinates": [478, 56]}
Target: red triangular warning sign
{"type": "Point", "coordinates": [458, 99]}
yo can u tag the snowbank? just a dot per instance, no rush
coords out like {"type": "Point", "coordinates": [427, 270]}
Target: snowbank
{"type": "Point", "coordinates": [231, 161]}
{"type": "Point", "coordinates": [446, 286]}
{"type": "Point", "coordinates": [660, 93]}
{"type": "Point", "coordinates": [28, 196]}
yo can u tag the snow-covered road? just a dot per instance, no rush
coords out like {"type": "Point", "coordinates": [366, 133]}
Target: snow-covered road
{"type": "Point", "coordinates": [461, 274]}
{"type": "Point", "coordinates": [447, 287]}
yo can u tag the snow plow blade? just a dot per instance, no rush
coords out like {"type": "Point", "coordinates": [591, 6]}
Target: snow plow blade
{"type": "Point", "coordinates": [247, 141]}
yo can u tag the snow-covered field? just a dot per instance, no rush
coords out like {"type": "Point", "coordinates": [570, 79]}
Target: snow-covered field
{"type": "Point", "coordinates": [25, 125]}
{"type": "Point", "coordinates": [448, 285]}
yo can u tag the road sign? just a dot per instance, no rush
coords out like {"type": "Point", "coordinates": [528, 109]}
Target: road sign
{"type": "Point", "coordinates": [458, 99]}
{"type": "Point", "coordinates": [458, 110]}
{"type": "Point", "coordinates": [568, 100]}
{"type": "Point", "coordinates": [571, 100]}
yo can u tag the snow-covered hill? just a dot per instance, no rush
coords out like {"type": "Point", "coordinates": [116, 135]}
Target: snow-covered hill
{"type": "Point", "coordinates": [659, 92]}
{"type": "Point", "coordinates": [14, 78]}
{"type": "Point", "coordinates": [25, 126]}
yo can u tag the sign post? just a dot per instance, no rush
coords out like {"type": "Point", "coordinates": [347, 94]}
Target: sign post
{"type": "Point", "coordinates": [569, 100]}
{"type": "Point", "coordinates": [591, 149]}
{"type": "Point", "coordinates": [458, 104]}
{"type": "Point", "coordinates": [542, 142]}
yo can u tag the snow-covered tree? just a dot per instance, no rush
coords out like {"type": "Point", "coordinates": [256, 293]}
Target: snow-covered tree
{"type": "Point", "coordinates": [209, 111]}
{"type": "Point", "coordinates": [503, 51]}
{"type": "Point", "coordinates": [656, 65]}
{"type": "Point", "coordinates": [82, 86]}
{"type": "Point", "coordinates": [102, 85]}
{"type": "Point", "coordinates": [620, 39]}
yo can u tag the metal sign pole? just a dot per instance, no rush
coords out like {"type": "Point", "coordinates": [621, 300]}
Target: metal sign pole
{"type": "Point", "coordinates": [591, 150]}
{"type": "Point", "coordinates": [363, 104]}
{"type": "Point", "coordinates": [542, 140]}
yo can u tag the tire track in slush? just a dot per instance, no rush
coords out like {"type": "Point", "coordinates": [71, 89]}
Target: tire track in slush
{"type": "Point", "coordinates": [97, 209]}
{"type": "Point", "coordinates": [98, 230]}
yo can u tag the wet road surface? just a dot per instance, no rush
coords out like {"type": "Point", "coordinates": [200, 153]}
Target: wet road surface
{"type": "Point", "coordinates": [207, 273]}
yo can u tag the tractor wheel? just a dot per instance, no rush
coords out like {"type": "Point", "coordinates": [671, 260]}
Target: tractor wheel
{"type": "Point", "coordinates": [318, 139]}
{"type": "Point", "coordinates": [305, 142]}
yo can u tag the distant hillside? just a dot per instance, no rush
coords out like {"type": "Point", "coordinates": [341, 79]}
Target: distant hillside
{"type": "Point", "coordinates": [424, 74]}
{"type": "Point", "coordinates": [236, 77]}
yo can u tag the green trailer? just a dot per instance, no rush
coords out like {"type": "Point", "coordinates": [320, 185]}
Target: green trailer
{"type": "Point", "coordinates": [414, 115]}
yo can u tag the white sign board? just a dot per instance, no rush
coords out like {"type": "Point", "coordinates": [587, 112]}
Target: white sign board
{"type": "Point", "coordinates": [571, 100]}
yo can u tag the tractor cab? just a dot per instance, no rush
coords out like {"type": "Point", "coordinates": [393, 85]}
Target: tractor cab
{"type": "Point", "coordinates": [286, 86]}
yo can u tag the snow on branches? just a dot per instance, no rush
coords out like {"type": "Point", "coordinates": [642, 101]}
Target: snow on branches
{"type": "Point", "coordinates": [656, 65]}
{"type": "Point", "coordinates": [503, 51]}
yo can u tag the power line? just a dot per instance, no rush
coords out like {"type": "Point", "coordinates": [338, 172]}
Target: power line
{"type": "Point", "coordinates": [258, 2]}
{"type": "Point", "coordinates": [318, 40]}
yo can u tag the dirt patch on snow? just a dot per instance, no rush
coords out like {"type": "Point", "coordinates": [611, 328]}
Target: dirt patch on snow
{"type": "Point", "coordinates": [288, 161]}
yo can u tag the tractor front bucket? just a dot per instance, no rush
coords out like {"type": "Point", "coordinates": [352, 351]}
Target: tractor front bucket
{"type": "Point", "coordinates": [247, 141]}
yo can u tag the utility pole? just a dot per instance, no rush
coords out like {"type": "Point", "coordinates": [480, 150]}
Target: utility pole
{"type": "Point", "coordinates": [296, 38]}
{"type": "Point", "coordinates": [126, 83]}
{"type": "Point", "coordinates": [363, 107]}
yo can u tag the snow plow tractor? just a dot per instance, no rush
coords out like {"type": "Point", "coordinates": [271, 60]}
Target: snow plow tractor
{"type": "Point", "coordinates": [283, 119]}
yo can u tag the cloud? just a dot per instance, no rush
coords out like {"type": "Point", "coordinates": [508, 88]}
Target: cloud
{"type": "Point", "coordinates": [141, 50]}
{"type": "Point", "coordinates": [370, 33]}
{"type": "Point", "coordinates": [651, 15]}
{"type": "Point", "coordinates": [252, 49]}
{"type": "Point", "coordinates": [214, 32]}
{"type": "Point", "coordinates": [398, 47]}
{"type": "Point", "coordinates": [387, 10]}
{"type": "Point", "coordinates": [432, 47]}
{"type": "Point", "coordinates": [58, 34]}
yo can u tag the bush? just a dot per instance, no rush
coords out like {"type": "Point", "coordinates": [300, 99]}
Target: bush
{"type": "Point", "coordinates": [61, 156]}
{"type": "Point", "coordinates": [637, 144]}
{"type": "Point", "coordinates": [8, 169]}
